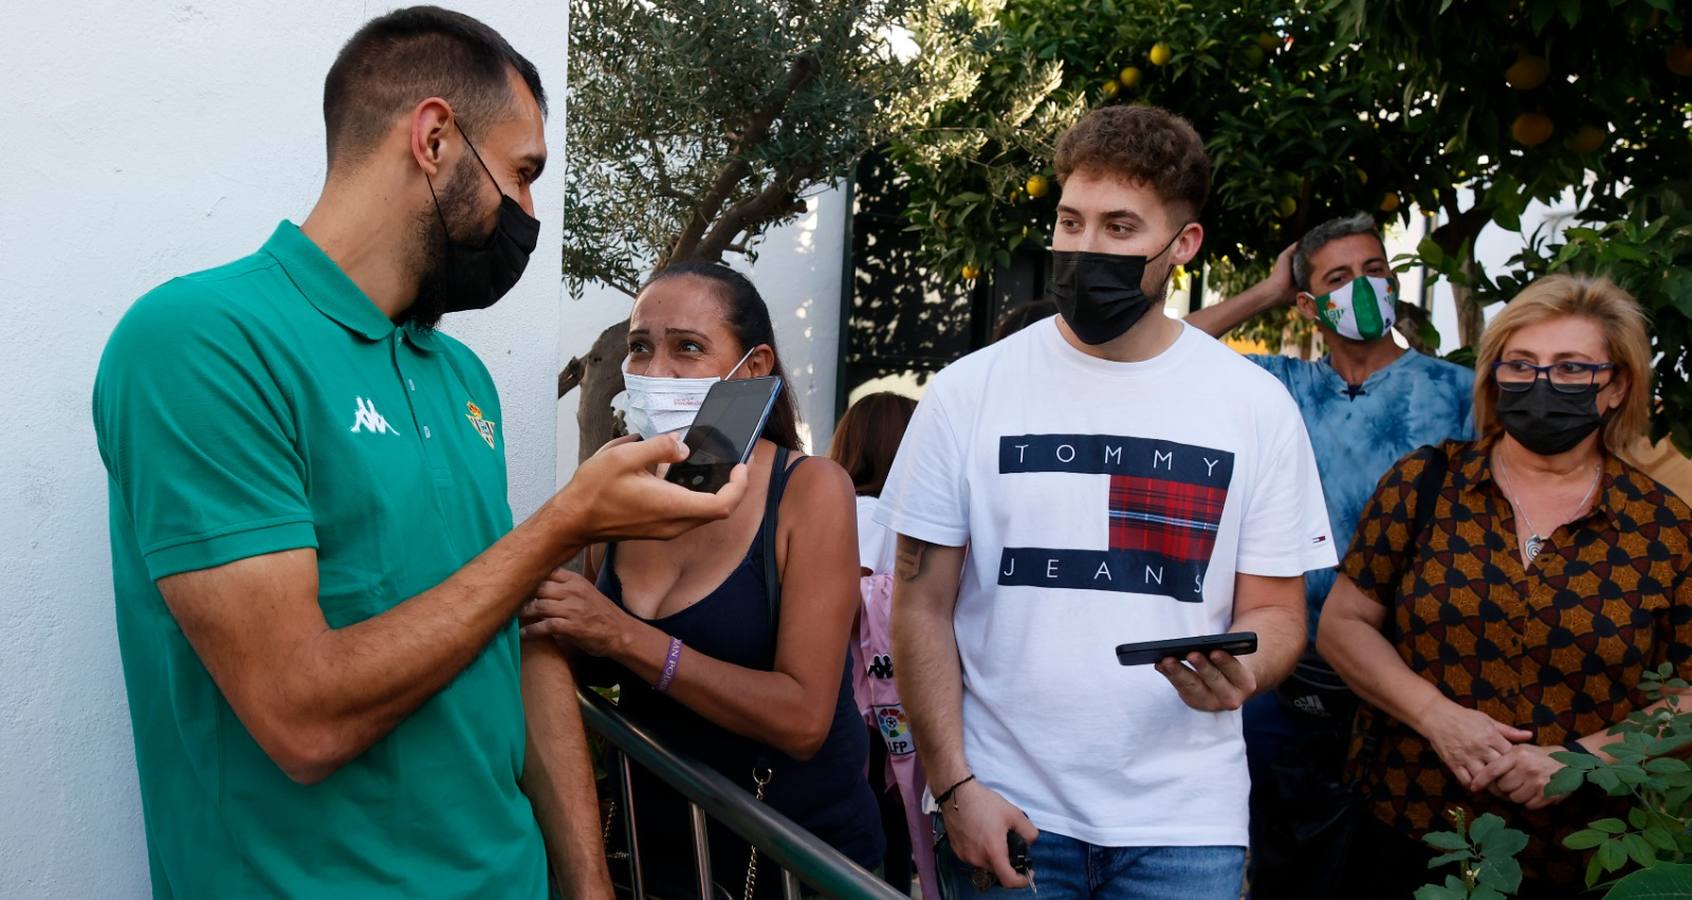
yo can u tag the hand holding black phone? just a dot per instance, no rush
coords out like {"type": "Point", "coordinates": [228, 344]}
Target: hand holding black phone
{"type": "Point", "coordinates": [725, 430]}
{"type": "Point", "coordinates": [1146, 653]}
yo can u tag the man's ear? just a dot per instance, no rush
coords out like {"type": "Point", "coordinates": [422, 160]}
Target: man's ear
{"type": "Point", "coordinates": [429, 134]}
{"type": "Point", "coordinates": [1187, 244]}
{"type": "Point", "coordinates": [1306, 305]}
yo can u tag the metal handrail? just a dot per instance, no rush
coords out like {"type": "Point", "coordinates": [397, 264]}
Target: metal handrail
{"type": "Point", "coordinates": [792, 847]}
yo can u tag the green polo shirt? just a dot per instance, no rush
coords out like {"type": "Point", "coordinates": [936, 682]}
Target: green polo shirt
{"type": "Point", "coordinates": [268, 405]}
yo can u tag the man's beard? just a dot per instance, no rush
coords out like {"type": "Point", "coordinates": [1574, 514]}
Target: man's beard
{"type": "Point", "coordinates": [457, 196]}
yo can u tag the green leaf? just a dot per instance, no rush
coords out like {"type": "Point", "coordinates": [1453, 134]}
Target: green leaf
{"type": "Point", "coordinates": [1659, 837]}
{"type": "Point", "coordinates": [1504, 874]}
{"type": "Point", "coordinates": [1447, 859]}
{"type": "Point", "coordinates": [1484, 827]}
{"type": "Point", "coordinates": [1506, 843]}
{"type": "Point", "coordinates": [1584, 839]}
{"type": "Point", "coordinates": [1565, 781]}
{"type": "Point", "coordinates": [1639, 850]}
{"type": "Point", "coordinates": [1656, 883]}
{"type": "Point", "coordinates": [1612, 855]}
{"type": "Point", "coordinates": [1436, 892]}
{"type": "Point", "coordinates": [1445, 840]}
{"type": "Point", "coordinates": [1666, 766]}
{"type": "Point", "coordinates": [1610, 826]}
{"type": "Point", "coordinates": [1431, 252]}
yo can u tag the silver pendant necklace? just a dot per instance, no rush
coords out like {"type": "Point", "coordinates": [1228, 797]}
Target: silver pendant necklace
{"type": "Point", "coordinates": [1536, 541]}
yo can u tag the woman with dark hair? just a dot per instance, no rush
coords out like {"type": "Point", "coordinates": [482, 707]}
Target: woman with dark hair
{"type": "Point", "coordinates": [729, 642]}
{"type": "Point", "coordinates": [865, 442]}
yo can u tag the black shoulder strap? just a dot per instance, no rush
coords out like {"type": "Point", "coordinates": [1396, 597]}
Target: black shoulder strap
{"type": "Point", "coordinates": [1429, 483]}
{"type": "Point", "coordinates": [779, 473]}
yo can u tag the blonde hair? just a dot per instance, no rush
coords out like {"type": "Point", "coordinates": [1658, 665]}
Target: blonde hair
{"type": "Point", "coordinates": [1616, 314]}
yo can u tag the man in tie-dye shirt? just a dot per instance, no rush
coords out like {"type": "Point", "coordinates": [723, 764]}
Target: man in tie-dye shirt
{"type": "Point", "coordinates": [1366, 404]}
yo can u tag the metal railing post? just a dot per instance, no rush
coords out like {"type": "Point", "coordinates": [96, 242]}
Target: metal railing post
{"type": "Point", "coordinates": [801, 855]}
{"type": "Point", "coordinates": [701, 849]}
{"type": "Point", "coordinates": [627, 779]}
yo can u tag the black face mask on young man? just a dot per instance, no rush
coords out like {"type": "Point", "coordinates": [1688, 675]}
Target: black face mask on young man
{"type": "Point", "coordinates": [1549, 421]}
{"type": "Point", "coordinates": [1099, 294]}
{"type": "Point", "coordinates": [475, 276]}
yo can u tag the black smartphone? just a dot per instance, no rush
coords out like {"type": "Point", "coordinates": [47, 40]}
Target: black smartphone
{"type": "Point", "coordinates": [1236, 643]}
{"type": "Point", "coordinates": [723, 433]}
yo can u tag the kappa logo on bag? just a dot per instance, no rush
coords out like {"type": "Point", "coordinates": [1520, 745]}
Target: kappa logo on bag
{"type": "Point", "coordinates": [368, 419]}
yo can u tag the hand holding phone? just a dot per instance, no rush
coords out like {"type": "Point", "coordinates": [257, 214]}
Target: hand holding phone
{"type": "Point", "coordinates": [1205, 671]}
{"type": "Point", "coordinates": [725, 430]}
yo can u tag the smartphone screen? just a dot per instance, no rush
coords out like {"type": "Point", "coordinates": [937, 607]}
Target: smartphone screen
{"type": "Point", "coordinates": [722, 435]}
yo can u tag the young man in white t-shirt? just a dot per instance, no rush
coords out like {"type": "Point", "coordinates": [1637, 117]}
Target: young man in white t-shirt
{"type": "Point", "coordinates": [1106, 476]}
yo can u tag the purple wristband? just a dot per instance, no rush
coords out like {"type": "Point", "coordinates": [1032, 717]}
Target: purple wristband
{"type": "Point", "coordinates": [671, 660]}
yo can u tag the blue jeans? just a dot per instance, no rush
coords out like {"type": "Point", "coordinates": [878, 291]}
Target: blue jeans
{"type": "Point", "coordinates": [1067, 869]}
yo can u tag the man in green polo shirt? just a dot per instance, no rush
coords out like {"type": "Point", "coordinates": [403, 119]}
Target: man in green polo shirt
{"type": "Point", "coordinates": [316, 569]}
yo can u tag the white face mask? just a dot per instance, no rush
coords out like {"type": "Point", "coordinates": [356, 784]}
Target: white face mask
{"type": "Point", "coordinates": [654, 406]}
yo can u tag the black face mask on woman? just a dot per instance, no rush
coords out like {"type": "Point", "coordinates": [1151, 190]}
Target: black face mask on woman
{"type": "Point", "coordinates": [1549, 421]}
{"type": "Point", "coordinates": [1099, 294]}
{"type": "Point", "coordinates": [476, 276]}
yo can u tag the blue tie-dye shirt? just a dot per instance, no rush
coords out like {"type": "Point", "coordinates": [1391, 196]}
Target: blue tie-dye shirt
{"type": "Point", "coordinates": [1415, 400]}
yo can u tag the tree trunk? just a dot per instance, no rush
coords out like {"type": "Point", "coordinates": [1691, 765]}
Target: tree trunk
{"type": "Point", "coordinates": [601, 378]}
{"type": "Point", "coordinates": [1471, 319]}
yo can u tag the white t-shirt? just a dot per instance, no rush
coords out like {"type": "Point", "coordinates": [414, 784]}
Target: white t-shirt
{"type": "Point", "coordinates": [875, 540]}
{"type": "Point", "coordinates": [1104, 503]}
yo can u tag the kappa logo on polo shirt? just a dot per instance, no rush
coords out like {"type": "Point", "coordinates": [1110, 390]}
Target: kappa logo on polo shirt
{"type": "Point", "coordinates": [484, 427]}
{"type": "Point", "coordinates": [368, 419]}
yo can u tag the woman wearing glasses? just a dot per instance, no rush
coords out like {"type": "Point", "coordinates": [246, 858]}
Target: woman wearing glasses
{"type": "Point", "coordinates": [1501, 599]}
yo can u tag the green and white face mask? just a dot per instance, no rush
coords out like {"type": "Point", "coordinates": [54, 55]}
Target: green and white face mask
{"type": "Point", "coordinates": [1363, 309]}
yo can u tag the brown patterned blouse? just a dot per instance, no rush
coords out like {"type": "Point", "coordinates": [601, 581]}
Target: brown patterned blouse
{"type": "Point", "coordinates": [1557, 649]}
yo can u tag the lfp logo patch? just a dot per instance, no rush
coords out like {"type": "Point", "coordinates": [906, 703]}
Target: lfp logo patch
{"type": "Point", "coordinates": [895, 730]}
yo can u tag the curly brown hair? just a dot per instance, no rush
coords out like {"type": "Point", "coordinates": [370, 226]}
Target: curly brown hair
{"type": "Point", "coordinates": [1144, 144]}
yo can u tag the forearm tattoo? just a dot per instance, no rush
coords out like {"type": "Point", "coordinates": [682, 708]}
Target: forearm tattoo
{"type": "Point", "coordinates": [913, 558]}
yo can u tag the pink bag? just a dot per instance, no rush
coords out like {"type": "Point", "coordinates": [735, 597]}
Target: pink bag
{"type": "Point", "coordinates": [878, 702]}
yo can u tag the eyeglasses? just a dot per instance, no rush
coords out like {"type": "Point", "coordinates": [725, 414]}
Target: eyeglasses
{"type": "Point", "coordinates": [1569, 377]}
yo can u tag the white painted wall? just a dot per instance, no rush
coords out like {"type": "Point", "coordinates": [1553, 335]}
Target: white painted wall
{"type": "Point", "coordinates": [798, 272]}
{"type": "Point", "coordinates": [145, 140]}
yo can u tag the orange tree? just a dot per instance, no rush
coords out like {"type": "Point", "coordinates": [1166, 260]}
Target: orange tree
{"type": "Point", "coordinates": [1466, 110]}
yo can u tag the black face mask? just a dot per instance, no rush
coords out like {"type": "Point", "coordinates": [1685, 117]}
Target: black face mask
{"type": "Point", "coordinates": [1099, 294]}
{"type": "Point", "coordinates": [1548, 421]}
{"type": "Point", "coordinates": [475, 277]}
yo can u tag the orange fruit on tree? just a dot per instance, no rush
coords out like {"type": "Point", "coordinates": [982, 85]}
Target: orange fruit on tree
{"type": "Point", "coordinates": [1286, 206]}
{"type": "Point", "coordinates": [1679, 58]}
{"type": "Point", "coordinates": [970, 271]}
{"type": "Point", "coordinates": [1129, 77]}
{"type": "Point", "coordinates": [1254, 55]}
{"type": "Point", "coordinates": [1390, 202]}
{"type": "Point", "coordinates": [1267, 41]}
{"type": "Point", "coordinates": [1530, 129]}
{"type": "Point", "coordinates": [1588, 139]}
{"type": "Point", "coordinates": [1038, 186]}
{"type": "Point", "coordinates": [1111, 89]}
{"type": "Point", "coordinates": [1160, 54]}
{"type": "Point", "coordinates": [1527, 72]}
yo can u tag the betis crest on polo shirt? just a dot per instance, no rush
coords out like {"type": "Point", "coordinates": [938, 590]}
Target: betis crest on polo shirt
{"type": "Point", "coordinates": [484, 427]}
{"type": "Point", "coordinates": [1363, 309]}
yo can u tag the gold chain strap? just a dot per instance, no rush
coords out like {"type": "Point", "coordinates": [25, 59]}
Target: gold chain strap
{"type": "Point", "coordinates": [761, 776]}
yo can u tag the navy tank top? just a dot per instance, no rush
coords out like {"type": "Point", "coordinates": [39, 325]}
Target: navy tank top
{"type": "Point", "coordinates": [828, 794]}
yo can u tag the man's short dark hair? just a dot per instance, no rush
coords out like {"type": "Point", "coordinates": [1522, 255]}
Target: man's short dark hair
{"type": "Point", "coordinates": [1325, 234]}
{"type": "Point", "coordinates": [409, 55]}
{"type": "Point", "coordinates": [1144, 144]}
